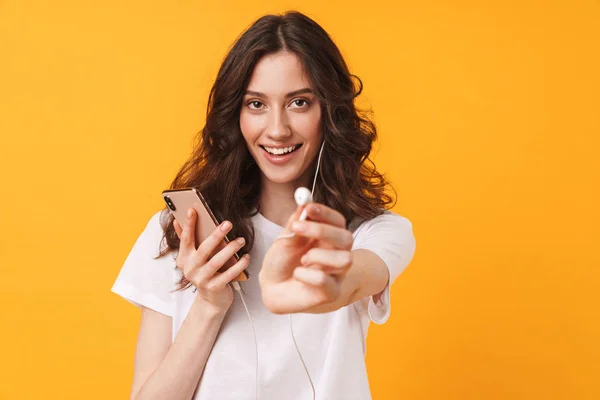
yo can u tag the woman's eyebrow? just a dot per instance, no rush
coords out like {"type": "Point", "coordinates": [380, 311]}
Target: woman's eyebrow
{"type": "Point", "coordinates": [290, 94]}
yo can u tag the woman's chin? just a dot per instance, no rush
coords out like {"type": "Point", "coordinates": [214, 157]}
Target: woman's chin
{"type": "Point", "coordinates": [280, 178]}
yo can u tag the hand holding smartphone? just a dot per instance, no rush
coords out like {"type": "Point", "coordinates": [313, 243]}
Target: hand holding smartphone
{"type": "Point", "coordinates": [179, 201]}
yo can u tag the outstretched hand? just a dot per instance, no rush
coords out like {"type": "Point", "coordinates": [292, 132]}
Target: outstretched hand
{"type": "Point", "coordinates": [307, 270]}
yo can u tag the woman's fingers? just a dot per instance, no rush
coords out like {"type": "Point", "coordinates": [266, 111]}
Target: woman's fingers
{"type": "Point", "coordinates": [328, 291]}
{"type": "Point", "coordinates": [187, 237]}
{"type": "Point", "coordinates": [338, 237]}
{"type": "Point", "coordinates": [287, 233]}
{"type": "Point", "coordinates": [178, 229]}
{"type": "Point", "coordinates": [208, 245]}
{"type": "Point", "coordinates": [207, 271]}
{"type": "Point", "coordinates": [200, 265]}
{"type": "Point", "coordinates": [336, 261]}
{"type": "Point", "coordinates": [229, 275]}
{"type": "Point", "coordinates": [295, 215]}
{"type": "Point", "coordinates": [321, 213]}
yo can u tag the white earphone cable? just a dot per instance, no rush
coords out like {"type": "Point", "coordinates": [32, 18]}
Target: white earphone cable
{"type": "Point", "coordinates": [312, 192]}
{"type": "Point", "coordinates": [302, 218]}
{"type": "Point", "coordinates": [312, 386]}
{"type": "Point", "coordinates": [238, 288]}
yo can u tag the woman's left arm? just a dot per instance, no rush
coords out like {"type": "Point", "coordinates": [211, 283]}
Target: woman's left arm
{"type": "Point", "coordinates": [316, 271]}
{"type": "Point", "coordinates": [367, 276]}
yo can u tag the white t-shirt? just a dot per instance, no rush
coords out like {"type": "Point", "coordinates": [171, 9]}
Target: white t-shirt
{"type": "Point", "coordinates": [333, 345]}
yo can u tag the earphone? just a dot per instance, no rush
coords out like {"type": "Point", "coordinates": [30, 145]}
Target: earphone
{"type": "Point", "coordinates": [238, 288]}
{"type": "Point", "coordinates": [303, 196]}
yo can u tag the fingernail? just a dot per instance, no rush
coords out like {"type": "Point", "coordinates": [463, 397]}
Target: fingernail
{"type": "Point", "coordinates": [189, 213]}
{"type": "Point", "coordinates": [241, 240]}
{"type": "Point", "coordinates": [298, 226]}
{"type": "Point", "coordinates": [225, 226]}
{"type": "Point", "coordinates": [246, 256]}
{"type": "Point", "coordinates": [303, 259]}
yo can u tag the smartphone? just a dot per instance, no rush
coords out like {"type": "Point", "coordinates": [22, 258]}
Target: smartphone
{"type": "Point", "coordinates": [179, 201]}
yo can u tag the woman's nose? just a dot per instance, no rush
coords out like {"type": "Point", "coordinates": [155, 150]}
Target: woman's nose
{"type": "Point", "coordinates": [279, 128]}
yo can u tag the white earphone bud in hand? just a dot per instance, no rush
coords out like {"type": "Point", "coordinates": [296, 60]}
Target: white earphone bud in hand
{"type": "Point", "coordinates": [302, 197]}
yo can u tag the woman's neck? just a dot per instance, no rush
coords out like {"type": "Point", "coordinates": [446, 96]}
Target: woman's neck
{"type": "Point", "coordinates": [277, 199]}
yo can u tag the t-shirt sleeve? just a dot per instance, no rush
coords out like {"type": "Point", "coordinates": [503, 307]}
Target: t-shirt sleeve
{"type": "Point", "coordinates": [390, 236]}
{"type": "Point", "coordinates": [143, 280]}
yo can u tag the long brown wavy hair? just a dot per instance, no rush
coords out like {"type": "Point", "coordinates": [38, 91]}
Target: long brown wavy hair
{"type": "Point", "coordinates": [221, 166]}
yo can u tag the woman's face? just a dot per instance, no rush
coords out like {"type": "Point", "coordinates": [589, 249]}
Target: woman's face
{"type": "Point", "coordinates": [281, 119]}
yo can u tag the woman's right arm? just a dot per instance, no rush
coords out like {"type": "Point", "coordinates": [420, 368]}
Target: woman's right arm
{"type": "Point", "coordinates": [172, 371]}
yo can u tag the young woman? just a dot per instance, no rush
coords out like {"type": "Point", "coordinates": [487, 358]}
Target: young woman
{"type": "Point", "coordinates": [282, 94]}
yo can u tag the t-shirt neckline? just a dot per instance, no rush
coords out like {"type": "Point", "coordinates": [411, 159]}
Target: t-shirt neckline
{"type": "Point", "coordinates": [266, 225]}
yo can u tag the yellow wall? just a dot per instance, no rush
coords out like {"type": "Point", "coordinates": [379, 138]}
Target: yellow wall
{"type": "Point", "coordinates": [489, 124]}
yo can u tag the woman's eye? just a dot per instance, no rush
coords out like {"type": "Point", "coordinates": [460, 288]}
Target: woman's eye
{"type": "Point", "coordinates": [300, 102]}
{"type": "Point", "coordinates": [255, 104]}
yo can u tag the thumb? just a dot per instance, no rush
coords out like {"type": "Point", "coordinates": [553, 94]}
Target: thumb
{"type": "Point", "coordinates": [290, 239]}
{"type": "Point", "coordinates": [294, 217]}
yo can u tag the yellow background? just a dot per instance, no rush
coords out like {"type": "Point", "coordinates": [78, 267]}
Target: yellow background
{"type": "Point", "coordinates": [488, 114]}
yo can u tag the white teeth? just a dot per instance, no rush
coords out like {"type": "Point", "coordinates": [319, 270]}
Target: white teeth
{"type": "Point", "coordinates": [280, 151]}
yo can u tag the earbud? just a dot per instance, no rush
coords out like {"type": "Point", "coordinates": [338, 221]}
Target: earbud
{"type": "Point", "coordinates": [302, 196]}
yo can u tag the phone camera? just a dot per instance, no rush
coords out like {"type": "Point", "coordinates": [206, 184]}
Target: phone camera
{"type": "Point", "coordinates": [169, 203]}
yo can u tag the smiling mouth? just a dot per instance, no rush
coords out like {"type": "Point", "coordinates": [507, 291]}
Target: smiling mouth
{"type": "Point", "coordinates": [281, 151]}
